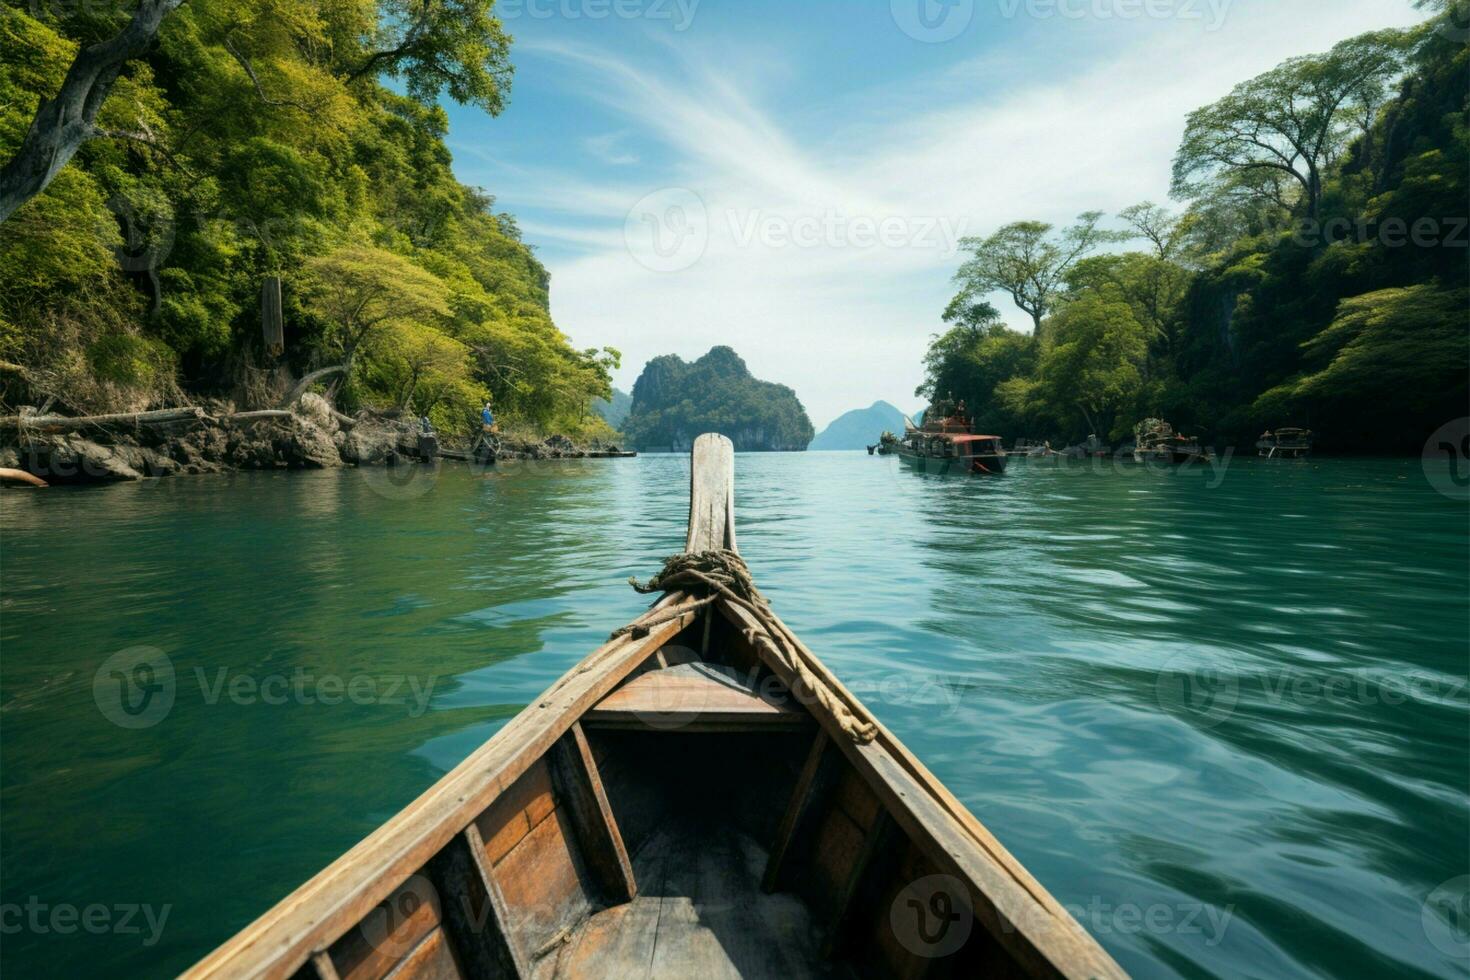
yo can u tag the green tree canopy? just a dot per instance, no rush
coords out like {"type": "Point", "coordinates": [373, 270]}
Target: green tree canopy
{"type": "Point", "coordinates": [1028, 262]}
{"type": "Point", "coordinates": [1289, 124]}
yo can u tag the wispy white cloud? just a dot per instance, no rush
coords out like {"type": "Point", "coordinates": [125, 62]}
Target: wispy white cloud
{"type": "Point", "coordinates": [844, 317]}
{"type": "Point", "coordinates": [607, 148]}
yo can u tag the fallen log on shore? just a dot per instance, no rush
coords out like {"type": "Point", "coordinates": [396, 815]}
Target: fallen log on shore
{"type": "Point", "coordinates": [71, 423]}
{"type": "Point", "coordinates": [267, 413]}
{"type": "Point", "coordinates": [21, 476]}
{"type": "Point", "coordinates": [68, 423]}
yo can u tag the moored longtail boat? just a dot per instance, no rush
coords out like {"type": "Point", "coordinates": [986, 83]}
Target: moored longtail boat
{"type": "Point", "coordinates": [1285, 443]}
{"type": "Point", "coordinates": [700, 797]}
{"type": "Point", "coordinates": [946, 444]}
{"type": "Point", "coordinates": [1157, 442]}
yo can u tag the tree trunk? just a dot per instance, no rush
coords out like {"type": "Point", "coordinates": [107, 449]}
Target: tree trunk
{"type": "Point", "coordinates": [1314, 195]}
{"type": "Point", "coordinates": [308, 381]}
{"type": "Point", "coordinates": [62, 124]}
{"type": "Point", "coordinates": [66, 423]}
{"type": "Point", "coordinates": [1088, 416]}
{"type": "Point", "coordinates": [21, 476]}
{"type": "Point", "coordinates": [267, 413]}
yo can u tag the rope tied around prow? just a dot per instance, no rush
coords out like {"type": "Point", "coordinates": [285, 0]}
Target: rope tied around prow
{"type": "Point", "coordinates": [723, 574]}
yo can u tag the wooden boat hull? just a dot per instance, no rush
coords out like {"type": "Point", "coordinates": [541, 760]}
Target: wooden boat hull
{"type": "Point", "coordinates": [993, 464]}
{"type": "Point", "coordinates": [1271, 451]}
{"type": "Point", "coordinates": [689, 801]}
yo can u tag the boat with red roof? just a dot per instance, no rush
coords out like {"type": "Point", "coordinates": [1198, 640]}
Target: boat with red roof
{"type": "Point", "coordinates": [947, 444]}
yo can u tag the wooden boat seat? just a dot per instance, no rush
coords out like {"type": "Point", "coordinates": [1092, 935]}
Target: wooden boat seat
{"type": "Point", "coordinates": [697, 697]}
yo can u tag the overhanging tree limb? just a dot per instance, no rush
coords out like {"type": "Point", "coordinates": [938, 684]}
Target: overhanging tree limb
{"type": "Point", "coordinates": [63, 123]}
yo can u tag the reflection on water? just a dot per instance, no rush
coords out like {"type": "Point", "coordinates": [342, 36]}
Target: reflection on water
{"type": "Point", "coordinates": [1227, 725]}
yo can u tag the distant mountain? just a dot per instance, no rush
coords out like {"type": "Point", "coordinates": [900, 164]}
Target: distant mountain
{"type": "Point", "coordinates": [615, 411]}
{"type": "Point", "coordinates": [674, 402]}
{"type": "Point", "coordinates": [860, 428]}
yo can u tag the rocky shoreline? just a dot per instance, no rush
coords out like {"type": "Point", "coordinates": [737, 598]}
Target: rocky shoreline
{"type": "Point", "coordinates": [214, 438]}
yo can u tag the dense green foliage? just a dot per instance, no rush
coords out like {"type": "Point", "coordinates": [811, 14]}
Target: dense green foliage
{"type": "Point", "coordinates": [1317, 275]}
{"type": "Point", "coordinates": [675, 401]}
{"type": "Point", "coordinates": [254, 140]}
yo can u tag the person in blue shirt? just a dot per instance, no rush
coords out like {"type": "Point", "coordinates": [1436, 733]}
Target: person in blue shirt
{"type": "Point", "coordinates": [487, 418]}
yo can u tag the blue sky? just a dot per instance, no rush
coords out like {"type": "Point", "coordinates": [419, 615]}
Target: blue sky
{"type": "Point", "coordinates": [792, 178]}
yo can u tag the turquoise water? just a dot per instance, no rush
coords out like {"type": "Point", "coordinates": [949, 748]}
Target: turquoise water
{"type": "Point", "coordinates": [1224, 720]}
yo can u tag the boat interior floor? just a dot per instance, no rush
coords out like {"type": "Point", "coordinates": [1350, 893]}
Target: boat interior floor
{"type": "Point", "coordinates": [700, 912]}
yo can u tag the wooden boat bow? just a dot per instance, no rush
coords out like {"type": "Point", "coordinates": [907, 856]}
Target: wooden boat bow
{"type": "Point", "coordinates": [611, 829]}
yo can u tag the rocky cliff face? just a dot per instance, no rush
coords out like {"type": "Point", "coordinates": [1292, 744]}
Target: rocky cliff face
{"type": "Point", "coordinates": [310, 437]}
{"type": "Point", "coordinates": [674, 402]}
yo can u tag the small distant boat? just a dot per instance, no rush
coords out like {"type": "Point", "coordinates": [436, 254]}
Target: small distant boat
{"type": "Point", "coordinates": [1157, 442]}
{"type": "Point", "coordinates": [949, 445]}
{"type": "Point", "coordinates": [887, 445]}
{"type": "Point", "coordinates": [1288, 443]}
{"type": "Point", "coordinates": [1093, 448]}
{"type": "Point", "coordinates": [1027, 449]}
{"type": "Point", "coordinates": [700, 797]}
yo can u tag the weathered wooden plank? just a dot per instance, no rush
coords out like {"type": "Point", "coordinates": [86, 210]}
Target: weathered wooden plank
{"type": "Point", "coordinates": [499, 911]}
{"type": "Point", "coordinates": [516, 812]}
{"type": "Point", "coordinates": [711, 495]}
{"type": "Point", "coordinates": [389, 933]}
{"type": "Point", "coordinates": [855, 799]}
{"type": "Point", "coordinates": [542, 881]}
{"type": "Point", "coordinates": [615, 944]}
{"type": "Point", "coordinates": [473, 910]}
{"type": "Point", "coordinates": [325, 907]}
{"type": "Point", "coordinates": [322, 963]}
{"type": "Point", "coordinates": [835, 846]}
{"type": "Point", "coordinates": [674, 697]}
{"type": "Point", "coordinates": [597, 830]}
{"type": "Point", "coordinates": [881, 829]}
{"type": "Point", "coordinates": [431, 959]}
{"type": "Point", "coordinates": [795, 810]}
